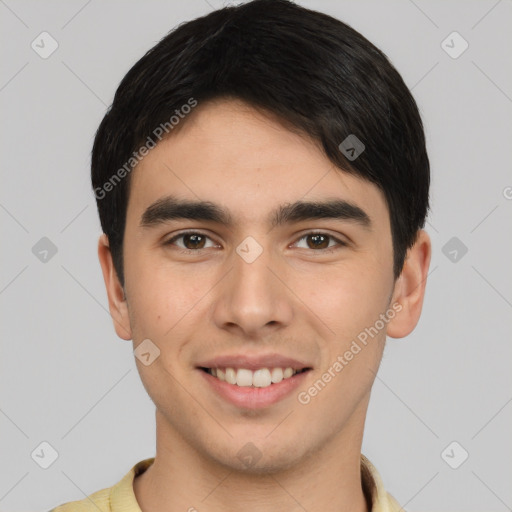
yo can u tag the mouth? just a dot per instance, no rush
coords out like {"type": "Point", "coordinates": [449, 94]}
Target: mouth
{"type": "Point", "coordinates": [259, 378]}
{"type": "Point", "coordinates": [255, 389]}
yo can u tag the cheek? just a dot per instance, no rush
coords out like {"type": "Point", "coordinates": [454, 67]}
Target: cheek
{"type": "Point", "coordinates": [167, 305]}
{"type": "Point", "coordinates": [346, 299]}
{"type": "Point", "coordinates": [160, 294]}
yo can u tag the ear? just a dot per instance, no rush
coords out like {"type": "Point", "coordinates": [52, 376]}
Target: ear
{"type": "Point", "coordinates": [116, 298]}
{"type": "Point", "coordinates": [410, 286]}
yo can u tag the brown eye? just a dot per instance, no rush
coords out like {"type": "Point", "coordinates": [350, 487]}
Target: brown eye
{"type": "Point", "coordinates": [321, 241]}
{"type": "Point", "coordinates": [318, 241]}
{"type": "Point", "coordinates": [191, 241]}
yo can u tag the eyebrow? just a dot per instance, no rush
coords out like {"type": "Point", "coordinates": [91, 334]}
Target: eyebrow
{"type": "Point", "coordinates": [173, 208]}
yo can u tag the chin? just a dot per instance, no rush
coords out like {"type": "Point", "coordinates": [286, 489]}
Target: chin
{"type": "Point", "coordinates": [257, 456]}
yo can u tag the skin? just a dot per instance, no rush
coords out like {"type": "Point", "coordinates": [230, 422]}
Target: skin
{"type": "Point", "coordinates": [294, 299]}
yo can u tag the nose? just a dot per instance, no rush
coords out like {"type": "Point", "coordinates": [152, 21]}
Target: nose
{"type": "Point", "coordinates": [251, 300]}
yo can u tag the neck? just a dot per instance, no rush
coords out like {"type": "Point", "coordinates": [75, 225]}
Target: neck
{"type": "Point", "coordinates": [182, 478]}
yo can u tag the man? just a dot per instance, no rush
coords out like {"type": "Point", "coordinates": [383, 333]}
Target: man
{"type": "Point", "coordinates": [262, 183]}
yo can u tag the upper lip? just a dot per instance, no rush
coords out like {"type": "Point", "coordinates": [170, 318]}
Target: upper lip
{"type": "Point", "coordinates": [254, 362]}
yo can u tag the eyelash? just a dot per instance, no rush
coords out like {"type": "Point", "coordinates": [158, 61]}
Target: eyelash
{"type": "Point", "coordinates": [311, 233]}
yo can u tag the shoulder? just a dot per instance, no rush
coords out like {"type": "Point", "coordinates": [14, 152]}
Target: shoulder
{"type": "Point", "coordinates": [393, 505]}
{"type": "Point", "coordinates": [377, 496]}
{"type": "Point", "coordinates": [118, 498]}
{"type": "Point", "coordinates": [99, 500]}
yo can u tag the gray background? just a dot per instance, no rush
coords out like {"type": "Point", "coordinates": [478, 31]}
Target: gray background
{"type": "Point", "coordinates": [68, 380]}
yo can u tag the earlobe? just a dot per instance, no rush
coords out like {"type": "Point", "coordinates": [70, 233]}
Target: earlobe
{"type": "Point", "coordinates": [115, 292]}
{"type": "Point", "coordinates": [410, 287]}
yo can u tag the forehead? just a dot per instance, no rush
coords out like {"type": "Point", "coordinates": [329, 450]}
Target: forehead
{"type": "Point", "coordinates": [230, 154]}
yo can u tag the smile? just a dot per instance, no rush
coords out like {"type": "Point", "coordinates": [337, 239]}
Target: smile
{"type": "Point", "coordinates": [253, 389]}
{"type": "Point", "coordinates": [260, 378]}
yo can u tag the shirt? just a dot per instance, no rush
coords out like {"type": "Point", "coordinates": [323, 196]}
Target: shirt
{"type": "Point", "coordinates": [121, 498]}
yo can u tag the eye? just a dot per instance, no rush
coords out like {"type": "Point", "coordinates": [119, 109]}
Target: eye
{"type": "Point", "coordinates": [196, 241]}
{"type": "Point", "coordinates": [191, 241]}
{"type": "Point", "coordinates": [320, 241]}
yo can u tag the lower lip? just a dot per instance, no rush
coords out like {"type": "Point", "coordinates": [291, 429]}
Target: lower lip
{"type": "Point", "coordinates": [251, 397]}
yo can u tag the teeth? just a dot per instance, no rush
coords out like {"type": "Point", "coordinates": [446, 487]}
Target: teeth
{"type": "Point", "coordinates": [261, 378]}
{"type": "Point", "coordinates": [230, 376]}
{"type": "Point", "coordinates": [288, 372]}
{"type": "Point", "coordinates": [277, 375]}
{"type": "Point", "coordinates": [243, 377]}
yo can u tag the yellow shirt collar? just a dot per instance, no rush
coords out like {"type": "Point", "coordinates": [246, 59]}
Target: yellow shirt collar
{"type": "Point", "coordinates": [122, 496]}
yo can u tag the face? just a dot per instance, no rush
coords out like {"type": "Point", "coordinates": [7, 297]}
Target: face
{"type": "Point", "coordinates": [254, 281]}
